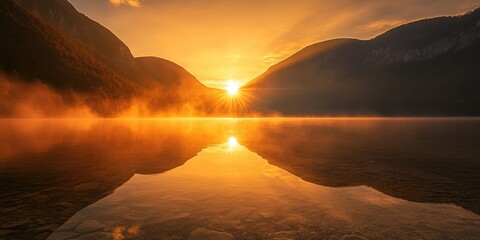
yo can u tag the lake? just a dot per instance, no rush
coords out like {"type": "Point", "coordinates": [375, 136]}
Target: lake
{"type": "Point", "coordinates": [339, 178]}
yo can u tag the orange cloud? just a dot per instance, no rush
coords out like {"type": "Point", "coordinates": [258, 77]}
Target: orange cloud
{"type": "Point", "coordinates": [131, 3]}
{"type": "Point", "coordinates": [379, 26]}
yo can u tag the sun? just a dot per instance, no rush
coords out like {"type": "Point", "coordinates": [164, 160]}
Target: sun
{"type": "Point", "coordinates": [232, 87]}
{"type": "Point", "coordinates": [232, 142]}
{"type": "Point", "coordinates": [233, 97]}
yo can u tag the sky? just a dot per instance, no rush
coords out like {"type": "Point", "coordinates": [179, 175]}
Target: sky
{"type": "Point", "coordinates": [222, 40]}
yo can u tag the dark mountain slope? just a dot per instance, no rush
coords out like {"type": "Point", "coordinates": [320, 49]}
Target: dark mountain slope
{"type": "Point", "coordinates": [174, 75]}
{"type": "Point", "coordinates": [176, 87]}
{"type": "Point", "coordinates": [51, 42]}
{"type": "Point", "coordinates": [428, 67]}
{"type": "Point", "coordinates": [105, 46]}
{"type": "Point", "coordinates": [97, 39]}
{"type": "Point", "coordinates": [35, 50]}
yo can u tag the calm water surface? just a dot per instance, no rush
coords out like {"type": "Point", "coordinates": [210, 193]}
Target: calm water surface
{"type": "Point", "coordinates": [240, 179]}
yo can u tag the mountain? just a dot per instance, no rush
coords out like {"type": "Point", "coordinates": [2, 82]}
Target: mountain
{"type": "Point", "coordinates": [51, 42]}
{"type": "Point", "coordinates": [427, 67]}
{"type": "Point", "coordinates": [100, 42]}
{"type": "Point", "coordinates": [178, 87]}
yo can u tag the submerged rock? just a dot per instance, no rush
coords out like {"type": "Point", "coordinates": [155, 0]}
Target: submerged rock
{"type": "Point", "coordinates": [204, 233]}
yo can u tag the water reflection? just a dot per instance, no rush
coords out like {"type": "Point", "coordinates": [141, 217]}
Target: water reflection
{"type": "Point", "coordinates": [421, 160]}
{"type": "Point", "coordinates": [52, 169]}
{"type": "Point", "coordinates": [229, 192]}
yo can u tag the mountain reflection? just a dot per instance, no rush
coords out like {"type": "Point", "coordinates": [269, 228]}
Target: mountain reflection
{"type": "Point", "coordinates": [421, 160]}
{"type": "Point", "coordinates": [243, 179]}
{"type": "Point", "coordinates": [50, 169]}
{"type": "Point", "coordinates": [229, 192]}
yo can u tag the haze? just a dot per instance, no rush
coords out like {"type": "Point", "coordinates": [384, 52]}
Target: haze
{"type": "Point", "coordinates": [219, 40]}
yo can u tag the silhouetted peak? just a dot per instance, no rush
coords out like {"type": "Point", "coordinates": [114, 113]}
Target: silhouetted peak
{"type": "Point", "coordinates": [168, 72]}
{"type": "Point", "coordinates": [426, 67]}
{"type": "Point", "coordinates": [422, 32]}
{"type": "Point", "coordinates": [475, 11]}
{"type": "Point", "coordinates": [99, 40]}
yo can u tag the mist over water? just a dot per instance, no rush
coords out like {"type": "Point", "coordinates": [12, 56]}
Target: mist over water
{"type": "Point", "coordinates": [23, 99]}
{"type": "Point", "coordinates": [37, 100]}
{"type": "Point", "coordinates": [240, 179]}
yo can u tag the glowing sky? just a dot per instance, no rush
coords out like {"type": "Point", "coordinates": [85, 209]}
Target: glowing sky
{"type": "Point", "coordinates": [219, 40]}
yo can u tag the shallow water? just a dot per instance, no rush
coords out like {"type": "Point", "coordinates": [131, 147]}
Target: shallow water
{"type": "Point", "coordinates": [240, 179]}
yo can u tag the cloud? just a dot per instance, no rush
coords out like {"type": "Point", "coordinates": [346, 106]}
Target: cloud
{"type": "Point", "coordinates": [131, 3]}
{"type": "Point", "coordinates": [377, 27]}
